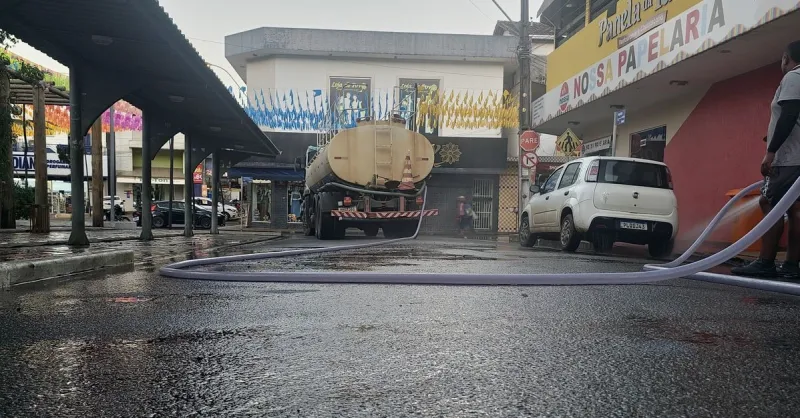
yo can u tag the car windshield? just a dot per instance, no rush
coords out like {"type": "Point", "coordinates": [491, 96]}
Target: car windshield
{"type": "Point", "coordinates": [634, 173]}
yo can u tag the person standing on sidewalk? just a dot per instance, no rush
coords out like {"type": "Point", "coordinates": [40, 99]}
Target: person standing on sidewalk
{"type": "Point", "coordinates": [781, 167]}
{"type": "Point", "coordinates": [464, 217]}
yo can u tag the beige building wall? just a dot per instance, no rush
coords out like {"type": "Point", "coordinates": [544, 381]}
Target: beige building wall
{"type": "Point", "coordinates": [671, 113]}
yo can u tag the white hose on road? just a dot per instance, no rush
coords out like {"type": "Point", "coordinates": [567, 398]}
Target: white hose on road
{"type": "Point", "coordinates": [652, 273]}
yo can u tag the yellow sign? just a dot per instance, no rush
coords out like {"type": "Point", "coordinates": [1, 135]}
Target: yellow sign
{"type": "Point", "coordinates": [581, 50]}
{"type": "Point", "coordinates": [568, 144]}
{"type": "Point", "coordinates": [615, 25]}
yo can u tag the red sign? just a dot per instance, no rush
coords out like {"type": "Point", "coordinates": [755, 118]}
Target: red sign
{"type": "Point", "coordinates": [529, 141]}
{"type": "Point", "coordinates": [529, 160]}
{"type": "Point", "coordinates": [198, 178]}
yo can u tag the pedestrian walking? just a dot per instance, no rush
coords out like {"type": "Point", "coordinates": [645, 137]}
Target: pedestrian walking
{"type": "Point", "coordinates": [781, 168]}
{"type": "Point", "coordinates": [465, 216]}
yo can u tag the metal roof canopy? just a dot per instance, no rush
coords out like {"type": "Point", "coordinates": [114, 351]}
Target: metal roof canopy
{"type": "Point", "coordinates": [132, 50]}
{"type": "Point", "coordinates": [22, 94]}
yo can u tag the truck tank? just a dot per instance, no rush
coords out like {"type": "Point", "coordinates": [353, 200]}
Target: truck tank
{"type": "Point", "coordinates": [372, 155]}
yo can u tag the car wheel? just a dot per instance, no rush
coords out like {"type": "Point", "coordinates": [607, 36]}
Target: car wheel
{"type": "Point", "coordinates": [570, 240]}
{"type": "Point", "coordinates": [205, 222]}
{"type": "Point", "coordinates": [526, 238]}
{"type": "Point", "coordinates": [661, 248]}
{"type": "Point", "coordinates": [158, 222]}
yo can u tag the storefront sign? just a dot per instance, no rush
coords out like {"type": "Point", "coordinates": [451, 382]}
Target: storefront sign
{"type": "Point", "coordinates": [55, 167]}
{"type": "Point", "coordinates": [160, 181]}
{"type": "Point", "coordinates": [697, 29]}
{"type": "Point", "coordinates": [350, 98]}
{"type": "Point", "coordinates": [447, 154]}
{"type": "Point", "coordinates": [646, 26]}
{"type": "Point", "coordinates": [421, 90]}
{"type": "Point", "coordinates": [631, 16]}
{"type": "Point", "coordinates": [597, 145]}
{"type": "Point", "coordinates": [568, 144]}
{"type": "Point", "coordinates": [649, 144]}
{"type": "Point", "coordinates": [468, 153]}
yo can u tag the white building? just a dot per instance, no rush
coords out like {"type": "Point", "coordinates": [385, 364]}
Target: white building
{"type": "Point", "coordinates": [297, 78]}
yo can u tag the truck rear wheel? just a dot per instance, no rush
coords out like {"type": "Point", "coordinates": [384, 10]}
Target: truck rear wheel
{"type": "Point", "coordinates": [326, 225]}
{"type": "Point", "coordinates": [371, 230]}
{"type": "Point", "coordinates": [308, 228]}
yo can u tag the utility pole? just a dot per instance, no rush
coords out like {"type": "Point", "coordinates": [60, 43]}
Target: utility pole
{"type": "Point", "coordinates": [524, 93]}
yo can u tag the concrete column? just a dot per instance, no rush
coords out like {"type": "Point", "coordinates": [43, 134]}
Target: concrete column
{"type": "Point", "coordinates": [40, 151]}
{"type": "Point", "coordinates": [188, 185]}
{"type": "Point", "coordinates": [215, 193]}
{"type": "Point", "coordinates": [111, 156]}
{"type": "Point", "coordinates": [77, 236]}
{"type": "Point", "coordinates": [253, 203]}
{"type": "Point", "coordinates": [147, 187]}
{"type": "Point", "coordinates": [97, 174]}
{"type": "Point", "coordinates": [279, 204]}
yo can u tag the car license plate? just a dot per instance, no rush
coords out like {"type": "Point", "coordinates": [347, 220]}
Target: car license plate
{"type": "Point", "coordinates": [638, 226]}
{"type": "Point", "coordinates": [349, 209]}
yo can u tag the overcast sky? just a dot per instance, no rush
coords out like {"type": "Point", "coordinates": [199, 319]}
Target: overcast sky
{"type": "Point", "coordinates": [207, 22]}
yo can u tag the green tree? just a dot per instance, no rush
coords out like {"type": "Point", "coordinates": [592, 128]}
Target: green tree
{"type": "Point", "coordinates": [30, 74]}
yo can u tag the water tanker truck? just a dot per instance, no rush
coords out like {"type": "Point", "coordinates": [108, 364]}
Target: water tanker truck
{"type": "Point", "coordinates": [368, 177]}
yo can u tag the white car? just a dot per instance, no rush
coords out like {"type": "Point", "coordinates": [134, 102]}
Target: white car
{"type": "Point", "coordinates": [230, 212]}
{"type": "Point", "coordinates": [117, 202]}
{"type": "Point", "coordinates": [604, 200]}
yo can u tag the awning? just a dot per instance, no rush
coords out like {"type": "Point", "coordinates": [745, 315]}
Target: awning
{"type": "Point", "coordinates": [132, 50]}
{"type": "Point", "coordinates": [275, 174]}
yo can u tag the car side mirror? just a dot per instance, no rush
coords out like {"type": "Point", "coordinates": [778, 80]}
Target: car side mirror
{"type": "Point", "coordinates": [535, 189]}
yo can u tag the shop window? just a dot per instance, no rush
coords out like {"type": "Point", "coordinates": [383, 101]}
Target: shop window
{"type": "Point", "coordinates": [600, 6]}
{"type": "Point", "coordinates": [482, 203]}
{"type": "Point", "coordinates": [649, 144]}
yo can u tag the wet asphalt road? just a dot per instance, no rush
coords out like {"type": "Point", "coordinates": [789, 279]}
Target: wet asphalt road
{"type": "Point", "coordinates": [135, 344]}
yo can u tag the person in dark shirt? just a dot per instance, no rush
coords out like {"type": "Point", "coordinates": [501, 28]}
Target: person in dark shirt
{"type": "Point", "coordinates": [781, 168]}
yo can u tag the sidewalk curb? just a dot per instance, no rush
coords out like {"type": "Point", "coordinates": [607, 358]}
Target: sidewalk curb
{"type": "Point", "coordinates": [21, 272]}
{"type": "Point", "coordinates": [91, 241]}
{"type": "Point", "coordinates": [220, 247]}
{"type": "Point", "coordinates": [544, 243]}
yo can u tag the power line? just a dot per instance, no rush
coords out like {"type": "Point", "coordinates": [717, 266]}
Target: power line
{"type": "Point", "coordinates": [478, 9]}
{"type": "Point", "coordinates": [502, 11]}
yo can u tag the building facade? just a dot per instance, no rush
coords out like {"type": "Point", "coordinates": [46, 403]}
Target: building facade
{"type": "Point", "coordinates": [302, 82]}
{"type": "Point", "coordinates": [687, 82]}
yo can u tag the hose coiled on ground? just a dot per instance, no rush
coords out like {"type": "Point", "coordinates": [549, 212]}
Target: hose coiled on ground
{"type": "Point", "coordinates": [653, 273]}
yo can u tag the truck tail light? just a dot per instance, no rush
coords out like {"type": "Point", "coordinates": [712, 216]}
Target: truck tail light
{"type": "Point", "coordinates": [593, 171]}
{"type": "Point", "coordinates": [419, 200]}
{"type": "Point", "coordinates": [348, 200]}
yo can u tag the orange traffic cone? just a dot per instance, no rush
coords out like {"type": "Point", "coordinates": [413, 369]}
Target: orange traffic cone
{"type": "Point", "coordinates": [407, 183]}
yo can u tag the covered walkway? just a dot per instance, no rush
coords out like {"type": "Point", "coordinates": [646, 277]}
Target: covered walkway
{"type": "Point", "coordinates": [132, 50]}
